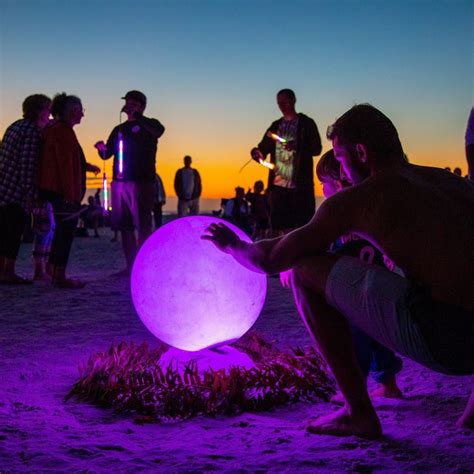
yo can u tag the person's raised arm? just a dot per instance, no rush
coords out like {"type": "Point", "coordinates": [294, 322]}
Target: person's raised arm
{"type": "Point", "coordinates": [152, 126]}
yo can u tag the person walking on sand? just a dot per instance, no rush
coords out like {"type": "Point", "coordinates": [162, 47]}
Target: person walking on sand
{"type": "Point", "coordinates": [188, 188]}
{"type": "Point", "coordinates": [422, 219]}
{"type": "Point", "coordinates": [133, 145]}
{"type": "Point", "coordinates": [19, 155]}
{"type": "Point", "coordinates": [290, 183]}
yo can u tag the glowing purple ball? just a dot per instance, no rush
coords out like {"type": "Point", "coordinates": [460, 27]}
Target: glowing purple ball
{"type": "Point", "coordinates": [191, 295]}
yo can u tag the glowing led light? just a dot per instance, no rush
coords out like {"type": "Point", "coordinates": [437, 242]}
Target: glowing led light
{"type": "Point", "coordinates": [120, 154]}
{"type": "Point", "coordinates": [188, 293]}
{"type": "Point", "coordinates": [106, 193]}
{"type": "Point", "coordinates": [267, 164]}
{"type": "Point", "coordinates": [277, 138]}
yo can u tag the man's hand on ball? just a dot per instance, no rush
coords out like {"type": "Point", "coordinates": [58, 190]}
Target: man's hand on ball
{"type": "Point", "coordinates": [221, 236]}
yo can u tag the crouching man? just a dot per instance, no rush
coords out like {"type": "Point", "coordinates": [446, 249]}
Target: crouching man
{"type": "Point", "coordinates": [420, 217]}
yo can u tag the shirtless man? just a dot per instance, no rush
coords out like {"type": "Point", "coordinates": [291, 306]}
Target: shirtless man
{"type": "Point", "coordinates": [422, 218]}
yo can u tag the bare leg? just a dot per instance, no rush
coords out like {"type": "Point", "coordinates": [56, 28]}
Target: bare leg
{"type": "Point", "coordinates": [467, 418]}
{"type": "Point", "coordinates": [39, 271]}
{"type": "Point", "coordinates": [334, 339]}
{"type": "Point", "coordinates": [129, 245]}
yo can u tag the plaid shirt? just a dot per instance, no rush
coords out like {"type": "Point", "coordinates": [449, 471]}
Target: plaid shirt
{"type": "Point", "coordinates": [19, 154]}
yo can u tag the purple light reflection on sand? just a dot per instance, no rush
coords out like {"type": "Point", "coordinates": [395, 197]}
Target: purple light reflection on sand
{"type": "Point", "coordinates": [222, 357]}
{"type": "Point", "coordinates": [189, 294]}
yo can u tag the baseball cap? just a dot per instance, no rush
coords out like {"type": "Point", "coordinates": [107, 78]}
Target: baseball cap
{"type": "Point", "coordinates": [136, 95]}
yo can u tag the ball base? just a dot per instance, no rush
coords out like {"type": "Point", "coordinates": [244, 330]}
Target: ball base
{"type": "Point", "coordinates": [222, 357]}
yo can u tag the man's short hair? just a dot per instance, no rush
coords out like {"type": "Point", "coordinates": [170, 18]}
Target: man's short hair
{"type": "Point", "coordinates": [328, 167]}
{"type": "Point", "coordinates": [288, 92]}
{"type": "Point", "coordinates": [368, 126]}
{"type": "Point", "coordinates": [33, 105]}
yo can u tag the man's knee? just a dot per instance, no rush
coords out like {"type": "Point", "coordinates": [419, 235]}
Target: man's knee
{"type": "Point", "coordinates": [313, 272]}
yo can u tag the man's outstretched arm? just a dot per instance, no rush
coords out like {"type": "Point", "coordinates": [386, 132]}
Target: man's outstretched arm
{"type": "Point", "coordinates": [276, 255]}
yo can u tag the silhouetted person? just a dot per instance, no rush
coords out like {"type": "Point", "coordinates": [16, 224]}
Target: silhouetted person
{"type": "Point", "coordinates": [457, 171]}
{"type": "Point", "coordinates": [469, 143]}
{"type": "Point", "coordinates": [19, 154]}
{"type": "Point", "coordinates": [133, 186]}
{"type": "Point", "coordinates": [290, 183]}
{"type": "Point", "coordinates": [97, 197]}
{"type": "Point", "coordinates": [92, 215]}
{"type": "Point", "coordinates": [160, 201]}
{"type": "Point", "coordinates": [237, 210]}
{"type": "Point", "coordinates": [62, 182]}
{"type": "Point", "coordinates": [259, 210]}
{"type": "Point", "coordinates": [188, 188]}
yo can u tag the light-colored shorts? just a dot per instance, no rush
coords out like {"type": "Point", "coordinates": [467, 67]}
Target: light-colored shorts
{"type": "Point", "coordinates": [132, 205]}
{"type": "Point", "coordinates": [188, 207]}
{"type": "Point", "coordinates": [377, 301]}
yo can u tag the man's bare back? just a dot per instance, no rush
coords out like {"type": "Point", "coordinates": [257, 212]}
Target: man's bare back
{"type": "Point", "coordinates": [423, 219]}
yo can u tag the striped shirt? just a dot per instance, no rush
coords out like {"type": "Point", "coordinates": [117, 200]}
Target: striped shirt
{"type": "Point", "coordinates": [19, 154]}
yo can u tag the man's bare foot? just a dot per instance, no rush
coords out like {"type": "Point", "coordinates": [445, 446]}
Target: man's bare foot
{"type": "Point", "coordinates": [380, 392]}
{"type": "Point", "coordinates": [386, 391]}
{"type": "Point", "coordinates": [341, 423]}
{"type": "Point", "coordinates": [389, 389]}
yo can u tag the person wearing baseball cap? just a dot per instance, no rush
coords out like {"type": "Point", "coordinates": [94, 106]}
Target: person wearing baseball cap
{"type": "Point", "coordinates": [133, 144]}
{"type": "Point", "coordinates": [136, 96]}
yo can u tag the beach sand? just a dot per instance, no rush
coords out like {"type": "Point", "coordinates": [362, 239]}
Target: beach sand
{"type": "Point", "coordinates": [45, 333]}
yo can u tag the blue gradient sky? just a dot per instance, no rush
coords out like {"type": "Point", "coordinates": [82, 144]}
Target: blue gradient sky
{"type": "Point", "coordinates": [211, 70]}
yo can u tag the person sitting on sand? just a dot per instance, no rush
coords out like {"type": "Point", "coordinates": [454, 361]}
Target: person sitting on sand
{"type": "Point", "coordinates": [237, 210]}
{"type": "Point", "coordinates": [373, 357]}
{"type": "Point", "coordinates": [421, 218]}
{"type": "Point", "coordinates": [259, 210]}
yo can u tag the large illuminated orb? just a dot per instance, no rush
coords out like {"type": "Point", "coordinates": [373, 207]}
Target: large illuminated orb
{"type": "Point", "coordinates": [188, 293]}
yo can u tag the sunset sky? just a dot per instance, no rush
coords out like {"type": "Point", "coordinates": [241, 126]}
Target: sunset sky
{"type": "Point", "coordinates": [211, 69]}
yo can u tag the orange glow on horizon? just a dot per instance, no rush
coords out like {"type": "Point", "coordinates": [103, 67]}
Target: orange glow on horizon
{"type": "Point", "coordinates": [219, 156]}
